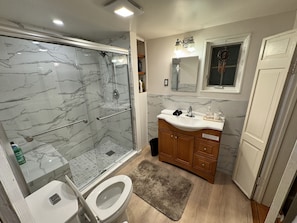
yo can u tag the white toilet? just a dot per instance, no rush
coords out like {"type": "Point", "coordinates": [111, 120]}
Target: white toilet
{"type": "Point", "coordinates": [109, 200]}
{"type": "Point", "coordinates": [105, 204]}
{"type": "Point", "coordinates": [54, 202]}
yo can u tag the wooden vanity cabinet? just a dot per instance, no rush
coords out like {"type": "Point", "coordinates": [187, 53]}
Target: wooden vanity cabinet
{"type": "Point", "coordinates": [195, 151]}
{"type": "Point", "coordinates": [176, 147]}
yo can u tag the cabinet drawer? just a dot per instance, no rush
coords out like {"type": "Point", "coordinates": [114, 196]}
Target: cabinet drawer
{"type": "Point", "coordinates": [209, 134]}
{"type": "Point", "coordinates": [204, 164]}
{"type": "Point", "coordinates": [207, 148]}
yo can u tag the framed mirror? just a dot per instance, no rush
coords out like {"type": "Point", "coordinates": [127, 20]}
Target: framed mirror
{"type": "Point", "coordinates": [184, 74]}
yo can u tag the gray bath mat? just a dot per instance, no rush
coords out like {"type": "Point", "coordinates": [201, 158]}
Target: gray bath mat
{"type": "Point", "coordinates": [164, 190]}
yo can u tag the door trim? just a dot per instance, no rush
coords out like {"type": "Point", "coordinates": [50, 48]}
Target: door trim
{"type": "Point", "coordinates": [276, 138]}
{"type": "Point", "coordinates": [276, 53]}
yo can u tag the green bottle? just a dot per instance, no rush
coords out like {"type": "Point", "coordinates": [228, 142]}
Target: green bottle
{"type": "Point", "coordinates": [18, 153]}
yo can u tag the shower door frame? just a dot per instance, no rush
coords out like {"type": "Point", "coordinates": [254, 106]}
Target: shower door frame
{"type": "Point", "coordinates": [59, 39]}
{"type": "Point", "coordinates": [56, 38]}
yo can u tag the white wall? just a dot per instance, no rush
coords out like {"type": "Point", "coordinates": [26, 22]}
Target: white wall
{"type": "Point", "coordinates": [11, 186]}
{"type": "Point", "coordinates": [160, 52]}
{"type": "Point", "coordinates": [140, 99]}
{"type": "Point", "coordinates": [295, 24]}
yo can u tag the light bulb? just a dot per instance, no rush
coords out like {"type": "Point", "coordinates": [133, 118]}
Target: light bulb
{"type": "Point", "coordinates": [178, 48]}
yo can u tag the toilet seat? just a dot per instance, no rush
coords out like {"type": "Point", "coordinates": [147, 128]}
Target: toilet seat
{"type": "Point", "coordinates": [110, 213]}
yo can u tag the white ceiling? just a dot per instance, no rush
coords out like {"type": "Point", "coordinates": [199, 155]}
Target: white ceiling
{"type": "Point", "coordinates": [88, 19]}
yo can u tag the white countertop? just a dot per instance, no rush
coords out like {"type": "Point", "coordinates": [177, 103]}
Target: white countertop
{"type": "Point", "coordinates": [186, 123]}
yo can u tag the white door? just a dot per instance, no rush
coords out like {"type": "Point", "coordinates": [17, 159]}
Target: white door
{"type": "Point", "coordinates": [271, 73]}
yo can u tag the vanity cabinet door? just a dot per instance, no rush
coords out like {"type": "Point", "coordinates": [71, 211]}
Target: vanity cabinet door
{"type": "Point", "coordinates": [195, 151]}
{"type": "Point", "coordinates": [166, 145]}
{"type": "Point", "coordinates": [183, 152]}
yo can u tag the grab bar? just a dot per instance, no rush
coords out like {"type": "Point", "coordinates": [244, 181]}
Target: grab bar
{"type": "Point", "coordinates": [114, 114]}
{"type": "Point", "coordinates": [30, 138]}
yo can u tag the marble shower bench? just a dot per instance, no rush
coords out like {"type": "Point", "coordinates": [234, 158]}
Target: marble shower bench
{"type": "Point", "coordinates": [43, 165]}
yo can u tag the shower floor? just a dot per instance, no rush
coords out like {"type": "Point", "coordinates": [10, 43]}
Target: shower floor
{"type": "Point", "coordinates": [91, 164]}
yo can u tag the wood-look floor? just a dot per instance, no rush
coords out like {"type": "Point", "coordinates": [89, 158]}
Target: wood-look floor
{"type": "Point", "coordinates": [221, 202]}
{"type": "Point", "coordinates": [259, 211]}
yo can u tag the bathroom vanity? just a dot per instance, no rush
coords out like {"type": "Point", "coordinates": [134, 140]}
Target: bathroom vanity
{"type": "Point", "coordinates": [196, 150]}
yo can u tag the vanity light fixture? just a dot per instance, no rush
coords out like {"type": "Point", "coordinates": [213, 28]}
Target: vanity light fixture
{"type": "Point", "coordinates": [124, 8]}
{"type": "Point", "coordinates": [187, 43]}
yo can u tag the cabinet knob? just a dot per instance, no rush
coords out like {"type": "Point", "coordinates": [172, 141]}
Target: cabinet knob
{"type": "Point", "coordinates": [175, 137]}
{"type": "Point", "coordinates": [204, 149]}
{"type": "Point", "coordinates": [203, 164]}
{"type": "Point", "coordinates": [171, 136]}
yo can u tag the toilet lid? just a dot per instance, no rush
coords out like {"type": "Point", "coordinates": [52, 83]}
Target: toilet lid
{"type": "Point", "coordinates": [44, 211]}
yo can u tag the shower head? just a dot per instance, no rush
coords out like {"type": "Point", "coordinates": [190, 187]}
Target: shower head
{"type": "Point", "coordinates": [103, 53]}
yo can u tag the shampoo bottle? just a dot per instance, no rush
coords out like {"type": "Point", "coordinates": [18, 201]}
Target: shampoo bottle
{"type": "Point", "coordinates": [18, 153]}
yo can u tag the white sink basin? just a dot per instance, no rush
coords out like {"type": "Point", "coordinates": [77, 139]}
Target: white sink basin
{"type": "Point", "coordinates": [186, 123]}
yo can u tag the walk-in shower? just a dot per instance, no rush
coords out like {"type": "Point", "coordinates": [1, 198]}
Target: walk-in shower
{"type": "Point", "coordinates": [67, 104]}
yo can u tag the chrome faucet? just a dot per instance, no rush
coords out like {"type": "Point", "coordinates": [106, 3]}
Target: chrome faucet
{"type": "Point", "coordinates": [190, 113]}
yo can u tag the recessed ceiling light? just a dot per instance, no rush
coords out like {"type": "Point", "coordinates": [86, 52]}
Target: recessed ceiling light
{"type": "Point", "coordinates": [123, 12]}
{"type": "Point", "coordinates": [58, 22]}
{"type": "Point", "coordinates": [124, 8]}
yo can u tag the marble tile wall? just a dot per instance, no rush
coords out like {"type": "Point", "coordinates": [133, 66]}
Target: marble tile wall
{"type": "Point", "coordinates": [123, 41]}
{"type": "Point", "coordinates": [44, 86]}
{"type": "Point", "coordinates": [43, 165]}
{"type": "Point", "coordinates": [234, 112]}
{"type": "Point", "coordinates": [100, 98]}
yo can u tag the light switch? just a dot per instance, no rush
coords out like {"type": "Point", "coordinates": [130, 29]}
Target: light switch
{"type": "Point", "coordinates": [165, 82]}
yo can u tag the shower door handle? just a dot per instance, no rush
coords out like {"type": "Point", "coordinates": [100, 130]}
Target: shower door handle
{"type": "Point", "coordinates": [114, 114]}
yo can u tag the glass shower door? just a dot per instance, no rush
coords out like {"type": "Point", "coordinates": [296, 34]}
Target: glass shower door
{"type": "Point", "coordinates": [115, 112]}
{"type": "Point", "coordinates": [68, 108]}
{"type": "Point", "coordinates": [106, 82]}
